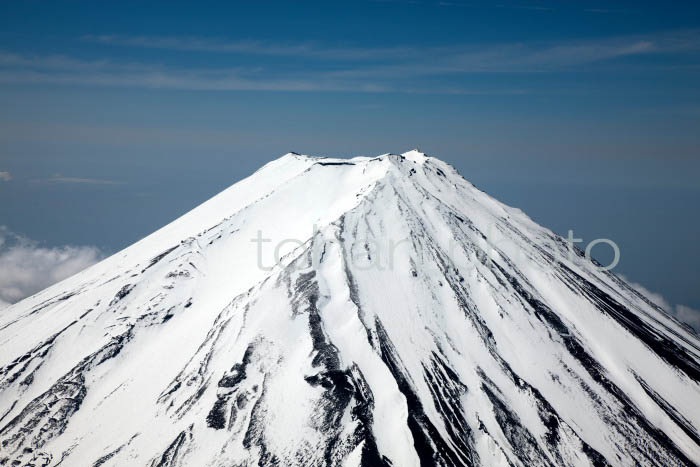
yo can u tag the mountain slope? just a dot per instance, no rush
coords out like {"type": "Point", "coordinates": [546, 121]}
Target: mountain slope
{"type": "Point", "coordinates": [392, 314]}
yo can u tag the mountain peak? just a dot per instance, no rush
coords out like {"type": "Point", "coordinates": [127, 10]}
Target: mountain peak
{"type": "Point", "coordinates": [361, 312]}
{"type": "Point", "coordinates": [413, 155]}
{"type": "Point", "coordinates": [416, 156]}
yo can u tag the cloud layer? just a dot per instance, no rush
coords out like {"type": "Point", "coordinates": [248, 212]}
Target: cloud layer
{"type": "Point", "coordinates": [5, 177]}
{"type": "Point", "coordinates": [27, 268]}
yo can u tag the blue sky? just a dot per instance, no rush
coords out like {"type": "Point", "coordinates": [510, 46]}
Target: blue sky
{"type": "Point", "coordinates": [118, 117]}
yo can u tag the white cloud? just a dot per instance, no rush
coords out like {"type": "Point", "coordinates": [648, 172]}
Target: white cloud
{"type": "Point", "coordinates": [5, 177]}
{"type": "Point", "coordinates": [682, 313]}
{"type": "Point", "coordinates": [653, 296]}
{"type": "Point", "coordinates": [688, 315]}
{"type": "Point", "coordinates": [26, 267]}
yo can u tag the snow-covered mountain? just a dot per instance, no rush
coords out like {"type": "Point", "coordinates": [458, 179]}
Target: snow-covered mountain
{"type": "Point", "coordinates": [369, 311]}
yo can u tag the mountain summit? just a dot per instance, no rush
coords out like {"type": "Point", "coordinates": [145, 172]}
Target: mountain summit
{"type": "Point", "coordinates": [367, 311]}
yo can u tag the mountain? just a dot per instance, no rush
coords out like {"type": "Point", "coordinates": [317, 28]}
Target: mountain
{"type": "Point", "coordinates": [369, 311]}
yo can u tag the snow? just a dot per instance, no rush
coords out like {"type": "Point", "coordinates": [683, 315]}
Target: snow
{"type": "Point", "coordinates": [395, 311]}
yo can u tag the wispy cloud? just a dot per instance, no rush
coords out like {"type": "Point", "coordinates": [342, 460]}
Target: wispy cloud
{"type": "Point", "coordinates": [16, 68]}
{"type": "Point", "coordinates": [85, 181]}
{"type": "Point", "coordinates": [474, 57]}
{"type": "Point", "coordinates": [321, 67]}
{"type": "Point", "coordinates": [59, 178]}
{"type": "Point", "coordinates": [26, 267]}
{"type": "Point", "coordinates": [5, 176]}
{"type": "Point", "coordinates": [252, 47]}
